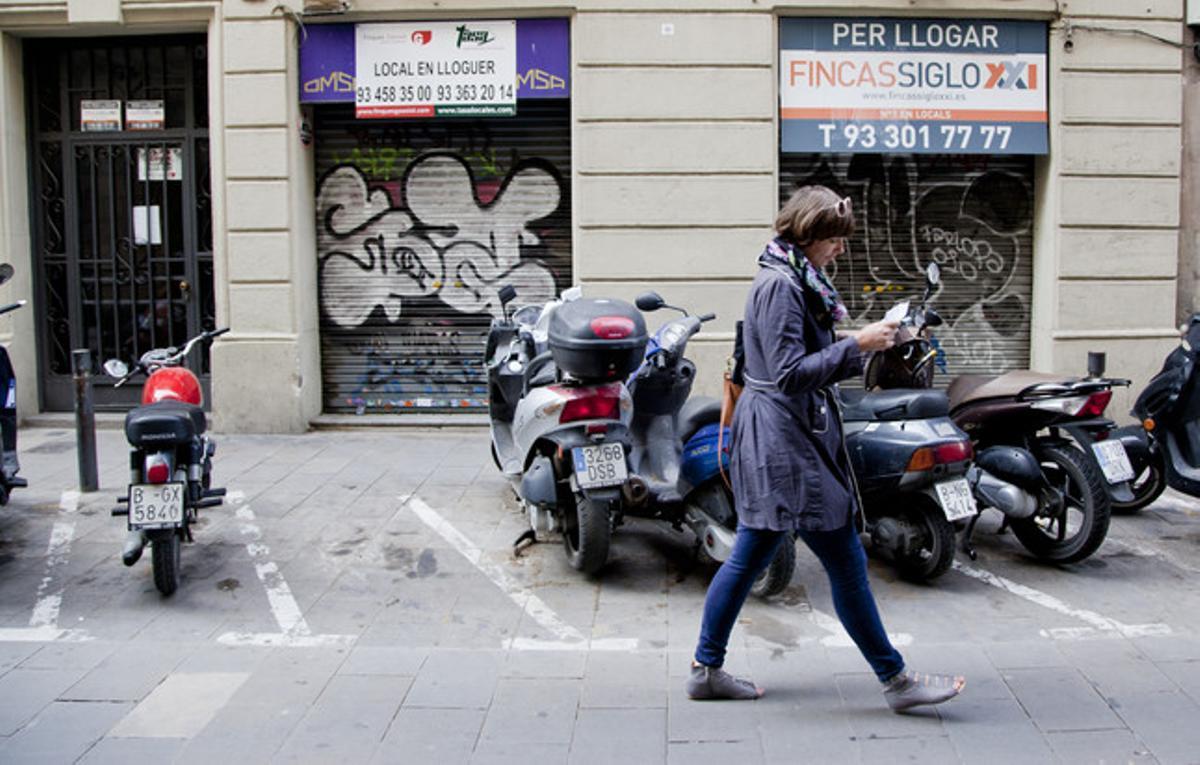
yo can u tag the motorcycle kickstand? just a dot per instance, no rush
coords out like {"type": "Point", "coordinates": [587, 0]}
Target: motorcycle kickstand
{"type": "Point", "coordinates": [1003, 526]}
{"type": "Point", "coordinates": [967, 546]}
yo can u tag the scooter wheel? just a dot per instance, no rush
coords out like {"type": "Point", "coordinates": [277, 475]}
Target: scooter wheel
{"type": "Point", "coordinates": [586, 532]}
{"type": "Point", "coordinates": [165, 560]}
{"type": "Point", "coordinates": [778, 574]}
{"type": "Point", "coordinates": [1072, 532]}
{"type": "Point", "coordinates": [935, 553]}
{"type": "Point", "coordinates": [1146, 488]}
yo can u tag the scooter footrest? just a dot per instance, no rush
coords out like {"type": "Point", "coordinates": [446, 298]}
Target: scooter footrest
{"type": "Point", "coordinates": [118, 511]}
{"type": "Point", "coordinates": [17, 483]}
{"type": "Point", "coordinates": [214, 492]}
{"type": "Point", "coordinates": [210, 502]}
{"type": "Point", "coordinates": [123, 500]}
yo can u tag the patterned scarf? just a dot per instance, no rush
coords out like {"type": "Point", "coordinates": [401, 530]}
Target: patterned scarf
{"type": "Point", "coordinates": [781, 251]}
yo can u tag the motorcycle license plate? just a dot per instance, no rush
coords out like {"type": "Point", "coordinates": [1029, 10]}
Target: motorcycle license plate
{"type": "Point", "coordinates": [956, 499]}
{"type": "Point", "coordinates": [155, 505]}
{"type": "Point", "coordinates": [599, 465]}
{"type": "Point", "coordinates": [1113, 461]}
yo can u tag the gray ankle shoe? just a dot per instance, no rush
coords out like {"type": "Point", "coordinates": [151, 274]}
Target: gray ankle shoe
{"type": "Point", "coordinates": [911, 689]}
{"type": "Point", "coordinates": [709, 683]}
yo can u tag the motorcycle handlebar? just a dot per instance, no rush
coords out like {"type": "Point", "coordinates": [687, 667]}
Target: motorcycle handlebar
{"type": "Point", "coordinates": [706, 317]}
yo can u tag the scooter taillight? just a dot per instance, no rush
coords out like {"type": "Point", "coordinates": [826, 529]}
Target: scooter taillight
{"type": "Point", "coordinates": [956, 451]}
{"type": "Point", "coordinates": [927, 457]}
{"type": "Point", "coordinates": [602, 402]}
{"type": "Point", "coordinates": [158, 468]}
{"type": "Point", "coordinates": [1096, 404]}
{"type": "Point", "coordinates": [612, 327]}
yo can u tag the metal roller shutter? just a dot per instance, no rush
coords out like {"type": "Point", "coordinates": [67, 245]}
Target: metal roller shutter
{"type": "Point", "coordinates": [972, 214]}
{"type": "Point", "coordinates": [419, 223]}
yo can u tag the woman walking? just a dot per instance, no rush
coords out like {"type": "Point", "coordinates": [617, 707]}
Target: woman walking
{"type": "Point", "coordinates": [789, 467]}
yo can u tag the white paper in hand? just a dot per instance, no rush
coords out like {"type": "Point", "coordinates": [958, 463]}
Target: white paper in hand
{"type": "Point", "coordinates": [897, 312]}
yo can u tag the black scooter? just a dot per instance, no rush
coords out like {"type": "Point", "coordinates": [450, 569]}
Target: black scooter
{"type": "Point", "coordinates": [910, 460]}
{"type": "Point", "coordinates": [1031, 433]}
{"type": "Point", "coordinates": [1164, 445]}
{"type": "Point", "coordinates": [9, 466]}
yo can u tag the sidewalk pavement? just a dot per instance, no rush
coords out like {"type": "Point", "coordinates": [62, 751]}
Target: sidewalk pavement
{"type": "Point", "coordinates": [358, 600]}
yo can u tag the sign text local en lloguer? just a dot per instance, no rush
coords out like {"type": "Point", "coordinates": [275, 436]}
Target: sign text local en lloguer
{"type": "Point", "coordinates": [954, 86]}
{"type": "Point", "coordinates": [436, 69]}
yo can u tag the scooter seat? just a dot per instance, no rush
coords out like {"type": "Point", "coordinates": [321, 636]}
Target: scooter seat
{"type": "Point", "coordinates": [968, 388]}
{"type": "Point", "coordinates": [695, 414]}
{"type": "Point", "coordinates": [899, 404]}
{"type": "Point", "coordinates": [166, 423]}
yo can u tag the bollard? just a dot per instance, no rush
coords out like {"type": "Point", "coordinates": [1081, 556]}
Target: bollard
{"type": "Point", "coordinates": [85, 419]}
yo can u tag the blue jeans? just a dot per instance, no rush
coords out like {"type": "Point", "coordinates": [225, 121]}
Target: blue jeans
{"type": "Point", "coordinates": [845, 561]}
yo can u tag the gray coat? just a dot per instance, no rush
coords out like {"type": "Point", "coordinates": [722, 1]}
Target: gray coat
{"type": "Point", "coordinates": [789, 468]}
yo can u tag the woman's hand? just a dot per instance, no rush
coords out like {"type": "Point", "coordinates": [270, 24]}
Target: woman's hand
{"type": "Point", "coordinates": [877, 337]}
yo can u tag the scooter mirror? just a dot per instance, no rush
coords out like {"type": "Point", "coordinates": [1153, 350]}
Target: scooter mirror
{"type": "Point", "coordinates": [933, 273]}
{"type": "Point", "coordinates": [649, 301]}
{"type": "Point", "coordinates": [116, 368]}
{"type": "Point", "coordinates": [932, 318]}
{"type": "Point", "coordinates": [6, 272]}
{"type": "Point", "coordinates": [506, 294]}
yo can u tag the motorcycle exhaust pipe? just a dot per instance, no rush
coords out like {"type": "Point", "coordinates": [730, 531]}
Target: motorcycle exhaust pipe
{"type": "Point", "coordinates": [716, 540]}
{"type": "Point", "coordinates": [1011, 500]}
{"type": "Point", "coordinates": [634, 491]}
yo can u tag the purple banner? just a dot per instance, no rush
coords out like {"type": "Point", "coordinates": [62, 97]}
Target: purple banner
{"type": "Point", "coordinates": [543, 61]}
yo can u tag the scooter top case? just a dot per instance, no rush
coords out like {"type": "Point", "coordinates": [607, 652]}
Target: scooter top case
{"type": "Point", "coordinates": [597, 339]}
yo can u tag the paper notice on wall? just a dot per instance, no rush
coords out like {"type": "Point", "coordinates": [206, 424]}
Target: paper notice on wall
{"type": "Point", "coordinates": [147, 224]}
{"type": "Point", "coordinates": [158, 163]}
{"type": "Point", "coordinates": [99, 115]}
{"type": "Point", "coordinates": [145, 115]}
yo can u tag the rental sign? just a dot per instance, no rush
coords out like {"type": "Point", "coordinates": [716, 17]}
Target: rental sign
{"type": "Point", "coordinates": [435, 68]}
{"type": "Point", "coordinates": [443, 69]}
{"type": "Point", "coordinates": [961, 86]}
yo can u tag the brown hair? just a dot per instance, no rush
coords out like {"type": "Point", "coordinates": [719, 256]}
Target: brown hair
{"type": "Point", "coordinates": [813, 213]}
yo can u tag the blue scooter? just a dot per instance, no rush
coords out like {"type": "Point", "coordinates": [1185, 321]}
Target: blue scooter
{"type": "Point", "coordinates": [675, 462]}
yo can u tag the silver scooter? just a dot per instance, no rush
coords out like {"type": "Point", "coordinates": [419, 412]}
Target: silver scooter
{"type": "Point", "coordinates": [560, 414]}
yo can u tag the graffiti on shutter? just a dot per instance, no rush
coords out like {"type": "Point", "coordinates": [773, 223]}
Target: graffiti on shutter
{"type": "Point", "coordinates": [970, 214]}
{"type": "Point", "coordinates": [419, 224]}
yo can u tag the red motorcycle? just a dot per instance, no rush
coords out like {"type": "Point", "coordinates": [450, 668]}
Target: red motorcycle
{"type": "Point", "coordinates": [171, 462]}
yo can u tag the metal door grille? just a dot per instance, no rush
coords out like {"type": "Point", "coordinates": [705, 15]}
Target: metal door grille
{"type": "Point", "coordinates": [973, 215]}
{"type": "Point", "coordinates": [122, 220]}
{"type": "Point", "coordinates": [419, 222]}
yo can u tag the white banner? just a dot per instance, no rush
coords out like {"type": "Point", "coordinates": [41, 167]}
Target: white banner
{"type": "Point", "coordinates": [436, 69]}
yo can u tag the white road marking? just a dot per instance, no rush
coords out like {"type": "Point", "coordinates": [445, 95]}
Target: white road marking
{"type": "Point", "coordinates": [1099, 626]}
{"type": "Point", "coordinates": [181, 706]}
{"type": "Point", "coordinates": [43, 623]}
{"type": "Point", "coordinates": [45, 611]}
{"type": "Point", "coordinates": [69, 501]}
{"type": "Point", "coordinates": [839, 638]}
{"type": "Point", "coordinates": [294, 630]}
{"type": "Point", "coordinates": [566, 637]}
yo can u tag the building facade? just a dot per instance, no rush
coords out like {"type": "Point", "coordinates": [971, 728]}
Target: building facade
{"type": "Point", "coordinates": [169, 166]}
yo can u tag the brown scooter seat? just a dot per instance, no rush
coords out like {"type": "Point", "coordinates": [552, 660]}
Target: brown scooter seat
{"type": "Point", "coordinates": [968, 388]}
